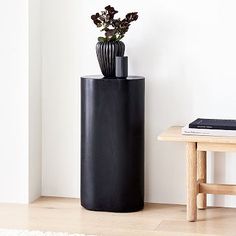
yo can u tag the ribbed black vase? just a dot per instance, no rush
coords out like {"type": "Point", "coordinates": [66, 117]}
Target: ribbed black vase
{"type": "Point", "coordinates": [106, 54]}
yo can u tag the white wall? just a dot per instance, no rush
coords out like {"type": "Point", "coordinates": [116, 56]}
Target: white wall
{"type": "Point", "coordinates": [60, 52]}
{"type": "Point", "coordinates": [20, 101]}
{"type": "Point", "coordinates": [35, 111]}
{"type": "Point", "coordinates": [14, 101]}
{"type": "Point", "coordinates": [186, 49]}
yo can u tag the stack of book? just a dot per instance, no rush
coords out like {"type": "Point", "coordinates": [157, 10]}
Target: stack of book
{"type": "Point", "coordinates": [211, 127]}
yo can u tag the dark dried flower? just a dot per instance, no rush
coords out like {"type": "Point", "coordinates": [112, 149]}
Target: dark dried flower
{"type": "Point", "coordinates": [123, 27]}
{"type": "Point", "coordinates": [115, 29]}
{"type": "Point", "coordinates": [96, 20]}
{"type": "Point", "coordinates": [133, 16]}
{"type": "Point", "coordinates": [116, 22]}
{"type": "Point", "coordinates": [111, 11]}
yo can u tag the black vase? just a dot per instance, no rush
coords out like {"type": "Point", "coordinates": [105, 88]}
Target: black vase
{"type": "Point", "coordinates": [106, 54]}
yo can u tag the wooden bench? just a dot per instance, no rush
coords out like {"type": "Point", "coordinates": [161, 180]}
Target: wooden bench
{"type": "Point", "coordinates": [196, 148]}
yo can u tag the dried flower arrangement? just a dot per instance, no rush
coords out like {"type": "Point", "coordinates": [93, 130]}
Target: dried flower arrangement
{"type": "Point", "coordinates": [114, 29]}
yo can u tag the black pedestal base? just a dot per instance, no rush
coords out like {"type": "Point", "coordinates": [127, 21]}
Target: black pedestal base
{"type": "Point", "coordinates": [112, 208]}
{"type": "Point", "coordinates": [112, 144]}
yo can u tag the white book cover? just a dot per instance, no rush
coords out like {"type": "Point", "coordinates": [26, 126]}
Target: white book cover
{"type": "Point", "coordinates": [208, 132]}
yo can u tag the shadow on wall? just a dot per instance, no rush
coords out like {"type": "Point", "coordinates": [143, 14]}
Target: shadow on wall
{"type": "Point", "coordinates": [169, 101]}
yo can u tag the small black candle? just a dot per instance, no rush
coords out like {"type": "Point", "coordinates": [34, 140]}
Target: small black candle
{"type": "Point", "coordinates": [121, 67]}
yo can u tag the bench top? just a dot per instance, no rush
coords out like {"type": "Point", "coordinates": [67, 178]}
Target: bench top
{"type": "Point", "coordinates": [174, 134]}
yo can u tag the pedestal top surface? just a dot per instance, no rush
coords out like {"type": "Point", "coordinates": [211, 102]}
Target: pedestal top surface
{"type": "Point", "coordinates": [131, 77]}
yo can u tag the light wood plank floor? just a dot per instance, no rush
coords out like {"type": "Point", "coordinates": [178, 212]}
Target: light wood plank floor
{"type": "Point", "coordinates": [61, 214]}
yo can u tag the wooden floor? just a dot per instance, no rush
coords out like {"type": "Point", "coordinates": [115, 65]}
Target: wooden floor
{"type": "Point", "coordinates": [60, 214]}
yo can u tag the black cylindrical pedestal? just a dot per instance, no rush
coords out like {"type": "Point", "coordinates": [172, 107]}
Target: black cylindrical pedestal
{"type": "Point", "coordinates": [112, 143]}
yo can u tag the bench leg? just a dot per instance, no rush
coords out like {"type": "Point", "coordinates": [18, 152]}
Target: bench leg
{"type": "Point", "coordinates": [202, 175]}
{"type": "Point", "coordinates": [191, 153]}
